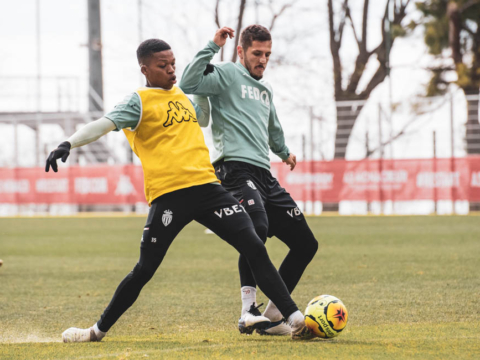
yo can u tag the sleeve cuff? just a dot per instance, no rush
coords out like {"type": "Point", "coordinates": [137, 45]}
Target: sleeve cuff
{"type": "Point", "coordinates": [213, 46]}
{"type": "Point", "coordinates": [107, 116]}
{"type": "Point", "coordinates": [284, 154]}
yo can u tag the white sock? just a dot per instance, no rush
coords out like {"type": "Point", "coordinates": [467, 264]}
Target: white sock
{"type": "Point", "coordinates": [100, 334]}
{"type": "Point", "coordinates": [249, 297]}
{"type": "Point", "coordinates": [296, 319]}
{"type": "Point", "coordinates": [272, 312]}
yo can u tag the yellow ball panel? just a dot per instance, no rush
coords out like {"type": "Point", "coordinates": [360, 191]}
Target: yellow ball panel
{"type": "Point", "coordinates": [337, 316]}
{"type": "Point", "coordinates": [314, 326]}
{"type": "Point", "coordinates": [326, 316]}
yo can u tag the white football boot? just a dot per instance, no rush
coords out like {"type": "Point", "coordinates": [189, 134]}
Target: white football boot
{"type": "Point", "coordinates": [252, 320]}
{"type": "Point", "coordinates": [278, 328]}
{"type": "Point", "coordinates": [299, 329]}
{"type": "Point", "coordinates": [79, 335]}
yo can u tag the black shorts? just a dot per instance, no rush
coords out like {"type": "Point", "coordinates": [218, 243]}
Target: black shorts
{"type": "Point", "coordinates": [257, 190]}
{"type": "Point", "coordinates": [210, 205]}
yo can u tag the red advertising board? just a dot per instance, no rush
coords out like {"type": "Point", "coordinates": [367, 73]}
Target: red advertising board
{"type": "Point", "coordinates": [325, 181]}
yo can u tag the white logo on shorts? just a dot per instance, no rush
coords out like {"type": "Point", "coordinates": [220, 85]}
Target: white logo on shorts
{"type": "Point", "coordinates": [167, 217]}
{"type": "Point", "coordinates": [154, 240]}
{"type": "Point", "coordinates": [251, 184]}
{"type": "Point", "coordinates": [294, 212]}
{"type": "Point", "coordinates": [251, 202]}
{"type": "Point", "coordinates": [227, 211]}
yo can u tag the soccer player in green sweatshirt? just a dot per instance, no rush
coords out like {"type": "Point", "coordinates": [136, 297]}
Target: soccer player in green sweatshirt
{"type": "Point", "coordinates": [245, 126]}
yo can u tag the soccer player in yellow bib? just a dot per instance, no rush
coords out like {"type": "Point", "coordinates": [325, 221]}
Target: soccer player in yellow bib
{"type": "Point", "coordinates": [161, 125]}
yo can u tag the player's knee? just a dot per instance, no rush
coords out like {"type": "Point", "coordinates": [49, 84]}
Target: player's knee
{"type": "Point", "coordinates": [262, 231]}
{"type": "Point", "coordinates": [254, 248]}
{"type": "Point", "coordinates": [260, 222]}
{"type": "Point", "coordinates": [305, 243]}
{"type": "Point", "coordinates": [144, 272]}
{"type": "Point", "coordinates": [311, 246]}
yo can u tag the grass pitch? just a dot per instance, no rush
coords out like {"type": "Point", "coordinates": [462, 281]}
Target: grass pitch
{"type": "Point", "coordinates": [411, 285]}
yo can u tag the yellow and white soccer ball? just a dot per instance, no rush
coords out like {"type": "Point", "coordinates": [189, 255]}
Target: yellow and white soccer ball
{"type": "Point", "coordinates": [326, 316]}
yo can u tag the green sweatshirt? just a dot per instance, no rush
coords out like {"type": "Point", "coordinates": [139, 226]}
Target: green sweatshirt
{"type": "Point", "coordinates": [244, 120]}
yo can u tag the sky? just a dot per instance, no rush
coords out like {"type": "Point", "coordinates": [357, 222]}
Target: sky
{"type": "Point", "coordinates": [300, 70]}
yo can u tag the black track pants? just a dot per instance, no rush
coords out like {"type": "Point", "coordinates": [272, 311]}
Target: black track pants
{"type": "Point", "coordinates": [274, 213]}
{"type": "Point", "coordinates": [212, 206]}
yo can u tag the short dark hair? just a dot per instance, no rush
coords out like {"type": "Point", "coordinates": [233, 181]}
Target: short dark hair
{"type": "Point", "coordinates": [149, 47]}
{"type": "Point", "coordinates": [254, 33]}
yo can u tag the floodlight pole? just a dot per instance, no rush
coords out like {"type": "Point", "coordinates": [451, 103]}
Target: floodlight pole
{"type": "Point", "coordinates": [452, 153]}
{"type": "Point", "coordinates": [380, 161]}
{"type": "Point", "coordinates": [312, 154]}
{"type": "Point", "coordinates": [95, 93]}
{"type": "Point", "coordinates": [435, 209]}
{"type": "Point", "coordinates": [304, 169]}
{"type": "Point", "coordinates": [38, 149]}
{"type": "Point", "coordinates": [140, 34]}
{"type": "Point", "coordinates": [388, 46]}
{"type": "Point", "coordinates": [39, 79]}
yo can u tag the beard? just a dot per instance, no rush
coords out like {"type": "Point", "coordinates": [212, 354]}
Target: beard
{"type": "Point", "coordinates": [249, 68]}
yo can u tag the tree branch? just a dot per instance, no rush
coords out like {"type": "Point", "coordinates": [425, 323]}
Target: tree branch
{"type": "Point", "coordinates": [276, 15]}
{"type": "Point", "coordinates": [364, 25]}
{"type": "Point", "coordinates": [239, 28]}
{"type": "Point", "coordinates": [217, 21]}
{"type": "Point", "coordinates": [467, 29]}
{"type": "Point", "coordinates": [359, 41]}
{"type": "Point", "coordinates": [335, 49]}
{"type": "Point", "coordinates": [363, 56]}
{"type": "Point", "coordinates": [343, 20]}
{"type": "Point", "coordinates": [399, 134]}
{"type": "Point", "coordinates": [377, 79]}
{"type": "Point", "coordinates": [454, 23]}
{"type": "Point", "coordinates": [469, 4]}
{"type": "Point", "coordinates": [398, 16]}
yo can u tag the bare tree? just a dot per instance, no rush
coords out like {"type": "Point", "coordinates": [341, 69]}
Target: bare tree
{"type": "Point", "coordinates": [275, 15]}
{"type": "Point", "coordinates": [239, 28]}
{"type": "Point", "coordinates": [217, 21]}
{"type": "Point", "coordinates": [345, 92]}
{"type": "Point", "coordinates": [241, 12]}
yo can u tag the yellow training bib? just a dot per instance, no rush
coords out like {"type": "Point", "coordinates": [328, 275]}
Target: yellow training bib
{"type": "Point", "coordinates": [169, 143]}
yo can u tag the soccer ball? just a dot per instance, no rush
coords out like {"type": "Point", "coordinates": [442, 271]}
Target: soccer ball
{"type": "Point", "coordinates": [326, 316]}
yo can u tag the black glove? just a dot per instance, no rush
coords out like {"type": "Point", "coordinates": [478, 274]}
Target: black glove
{"type": "Point", "coordinates": [62, 151]}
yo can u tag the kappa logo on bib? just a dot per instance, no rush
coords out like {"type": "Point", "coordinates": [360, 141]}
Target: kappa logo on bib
{"type": "Point", "coordinates": [167, 217]}
{"type": "Point", "coordinates": [179, 113]}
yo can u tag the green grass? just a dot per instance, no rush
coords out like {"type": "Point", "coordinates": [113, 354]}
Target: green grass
{"type": "Point", "coordinates": [411, 285]}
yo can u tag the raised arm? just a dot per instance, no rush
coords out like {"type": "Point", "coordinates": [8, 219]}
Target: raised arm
{"type": "Point", "coordinates": [196, 80]}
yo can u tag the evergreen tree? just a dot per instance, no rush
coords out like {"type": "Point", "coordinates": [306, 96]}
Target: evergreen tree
{"type": "Point", "coordinates": [452, 34]}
